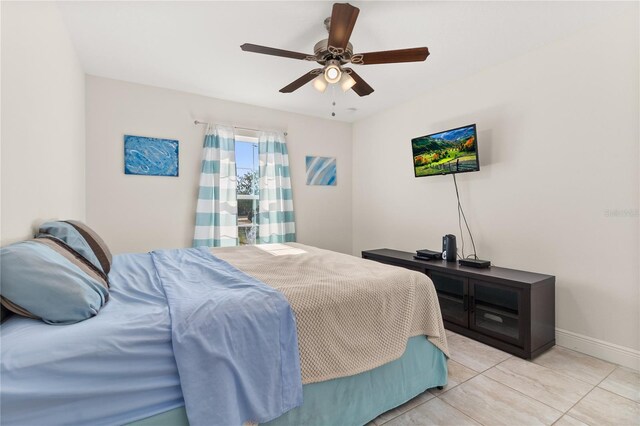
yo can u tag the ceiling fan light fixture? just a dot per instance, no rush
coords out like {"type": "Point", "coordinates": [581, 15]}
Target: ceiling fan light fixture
{"type": "Point", "coordinates": [336, 51]}
{"type": "Point", "coordinates": [332, 73]}
{"type": "Point", "coordinates": [320, 84]}
{"type": "Point", "coordinates": [346, 82]}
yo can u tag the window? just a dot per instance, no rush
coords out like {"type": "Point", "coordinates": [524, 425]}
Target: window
{"type": "Point", "coordinates": [247, 169]}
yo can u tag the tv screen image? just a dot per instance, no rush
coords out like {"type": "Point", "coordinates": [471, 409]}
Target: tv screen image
{"type": "Point", "coordinates": [451, 151]}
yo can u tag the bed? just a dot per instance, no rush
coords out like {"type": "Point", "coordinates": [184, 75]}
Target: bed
{"type": "Point", "coordinates": [119, 367]}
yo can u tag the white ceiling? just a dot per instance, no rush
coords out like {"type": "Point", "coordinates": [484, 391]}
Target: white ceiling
{"type": "Point", "coordinates": [195, 46]}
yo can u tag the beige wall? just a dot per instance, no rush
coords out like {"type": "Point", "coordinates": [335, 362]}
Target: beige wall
{"type": "Point", "coordinates": [140, 213]}
{"type": "Point", "coordinates": [43, 149]}
{"type": "Point", "coordinates": [558, 188]}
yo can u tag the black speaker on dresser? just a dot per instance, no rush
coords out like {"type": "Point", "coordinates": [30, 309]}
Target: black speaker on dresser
{"type": "Point", "coordinates": [449, 250]}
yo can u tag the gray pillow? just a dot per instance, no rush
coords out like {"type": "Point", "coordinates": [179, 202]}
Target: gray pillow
{"type": "Point", "coordinates": [46, 279]}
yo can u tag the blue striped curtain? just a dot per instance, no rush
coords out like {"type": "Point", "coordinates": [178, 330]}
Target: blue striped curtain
{"type": "Point", "coordinates": [217, 209]}
{"type": "Point", "coordinates": [276, 220]}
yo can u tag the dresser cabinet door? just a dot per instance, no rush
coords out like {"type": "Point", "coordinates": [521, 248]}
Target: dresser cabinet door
{"type": "Point", "coordinates": [497, 311]}
{"type": "Point", "coordinates": [453, 297]}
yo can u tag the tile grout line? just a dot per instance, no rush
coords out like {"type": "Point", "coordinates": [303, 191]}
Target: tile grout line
{"type": "Point", "coordinates": [577, 402]}
{"type": "Point", "coordinates": [464, 381]}
{"type": "Point", "coordinates": [616, 366]}
{"type": "Point", "coordinates": [462, 412]}
{"type": "Point", "coordinates": [500, 383]}
{"type": "Point", "coordinates": [488, 368]}
{"type": "Point", "coordinates": [524, 394]}
{"type": "Point", "coordinates": [490, 347]}
{"type": "Point", "coordinates": [478, 373]}
{"type": "Point", "coordinates": [583, 354]}
{"type": "Point", "coordinates": [405, 412]}
{"type": "Point", "coordinates": [562, 374]}
{"type": "Point", "coordinates": [562, 417]}
{"type": "Point", "coordinates": [493, 380]}
{"type": "Point", "coordinates": [616, 394]}
{"type": "Point", "coordinates": [445, 391]}
{"type": "Point", "coordinates": [613, 392]}
{"type": "Point", "coordinates": [501, 362]}
{"type": "Point", "coordinates": [563, 413]}
{"type": "Point", "coordinates": [482, 373]}
{"type": "Point", "coordinates": [571, 377]}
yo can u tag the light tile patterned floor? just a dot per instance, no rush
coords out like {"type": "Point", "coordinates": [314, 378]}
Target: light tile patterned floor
{"type": "Point", "coordinates": [490, 387]}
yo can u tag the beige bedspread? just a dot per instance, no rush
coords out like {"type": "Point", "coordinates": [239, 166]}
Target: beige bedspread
{"type": "Point", "coordinates": [352, 314]}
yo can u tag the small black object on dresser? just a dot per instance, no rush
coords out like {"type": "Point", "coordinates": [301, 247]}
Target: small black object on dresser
{"type": "Point", "coordinates": [475, 263]}
{"type": "Point", "coordinates": [505, 308]}
{"type": "Point", "coordinates": [426, 254]}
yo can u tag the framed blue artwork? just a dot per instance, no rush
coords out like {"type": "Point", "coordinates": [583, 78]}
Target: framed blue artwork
{"type": "Point", "coordinates": [150, 156]}
{"type": "Point", "coordinates": [321, 171]}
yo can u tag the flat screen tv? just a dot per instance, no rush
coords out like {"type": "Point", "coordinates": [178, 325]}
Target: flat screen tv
{"type": "Point", "coordinates": [451, 151]}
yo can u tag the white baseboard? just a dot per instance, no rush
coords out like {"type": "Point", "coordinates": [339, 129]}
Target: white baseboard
{"type": "Point", "coordinates": [611, 352]}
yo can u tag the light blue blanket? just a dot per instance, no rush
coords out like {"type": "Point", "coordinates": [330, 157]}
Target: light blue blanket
{"type": "Point", "coordinates": [234, 340]}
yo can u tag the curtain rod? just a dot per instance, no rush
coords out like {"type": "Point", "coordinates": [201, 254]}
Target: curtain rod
{"type": "Point", "coordinates": [197, 122]}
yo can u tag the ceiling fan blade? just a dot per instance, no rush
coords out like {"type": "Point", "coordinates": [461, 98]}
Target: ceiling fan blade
{"type": "Point", "coordinates": [361, 87]}
{"type": "Point", "coordinates": [417, 54]}
{"type": "Point", "coordinates": [248, 47]}
{"type": "Point", "coordinates": [295, 85]}
{"type": "Point", "coordinates": [343, 19]}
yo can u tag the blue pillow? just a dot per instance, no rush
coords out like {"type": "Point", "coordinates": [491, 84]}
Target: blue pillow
{"type": "Point", "coordinates": [43, 279]}
{"type": "Point", "coordinates": [72, 238]}
{"type": "Point", "coordinates": [82, 239]}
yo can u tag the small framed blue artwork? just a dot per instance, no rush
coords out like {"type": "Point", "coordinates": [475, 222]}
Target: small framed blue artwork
{"type": "Point", "coordinates": [150, 156]}
{"type": "Point", "coordinates": [321, 171]}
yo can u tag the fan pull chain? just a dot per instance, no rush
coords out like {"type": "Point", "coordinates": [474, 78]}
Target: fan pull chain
{"type": "Point", "coordinates": [333, 102]}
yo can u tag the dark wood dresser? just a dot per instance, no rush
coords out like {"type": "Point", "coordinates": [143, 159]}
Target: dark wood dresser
{"type": "Point", "coordinates": [505, 308]}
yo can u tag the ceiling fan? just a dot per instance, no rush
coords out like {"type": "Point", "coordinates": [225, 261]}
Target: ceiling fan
{"type": "Point", "coordinates": [336, 51]}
